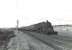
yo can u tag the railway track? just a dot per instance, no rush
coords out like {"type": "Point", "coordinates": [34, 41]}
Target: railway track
{"type": "Point", "coordinates": [56, 42]}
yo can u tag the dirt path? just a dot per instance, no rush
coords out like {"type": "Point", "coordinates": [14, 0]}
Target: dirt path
{"type": "Point", "coordinates": [25, 42]}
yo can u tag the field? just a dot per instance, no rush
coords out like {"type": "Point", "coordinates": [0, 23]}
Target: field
{"type": "Point", "coordinates": [64, 30]}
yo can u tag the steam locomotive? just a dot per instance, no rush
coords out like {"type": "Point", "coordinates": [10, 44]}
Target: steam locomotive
{"type": "Point", "coordinates": [43, 27]}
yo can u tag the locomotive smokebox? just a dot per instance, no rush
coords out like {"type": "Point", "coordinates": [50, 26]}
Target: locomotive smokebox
{"type": "Point", "coordinates": [48, 28]}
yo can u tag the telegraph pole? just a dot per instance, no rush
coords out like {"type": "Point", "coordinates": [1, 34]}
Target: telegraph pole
{"type": "Point", "coordinates": [17, 24]}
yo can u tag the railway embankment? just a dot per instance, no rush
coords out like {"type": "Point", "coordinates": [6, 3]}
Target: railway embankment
{"type": "Point", "coordinates": [55, 41]}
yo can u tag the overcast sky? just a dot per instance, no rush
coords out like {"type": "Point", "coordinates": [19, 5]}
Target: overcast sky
{"type": "Point", "coordinates": [33, 11]}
